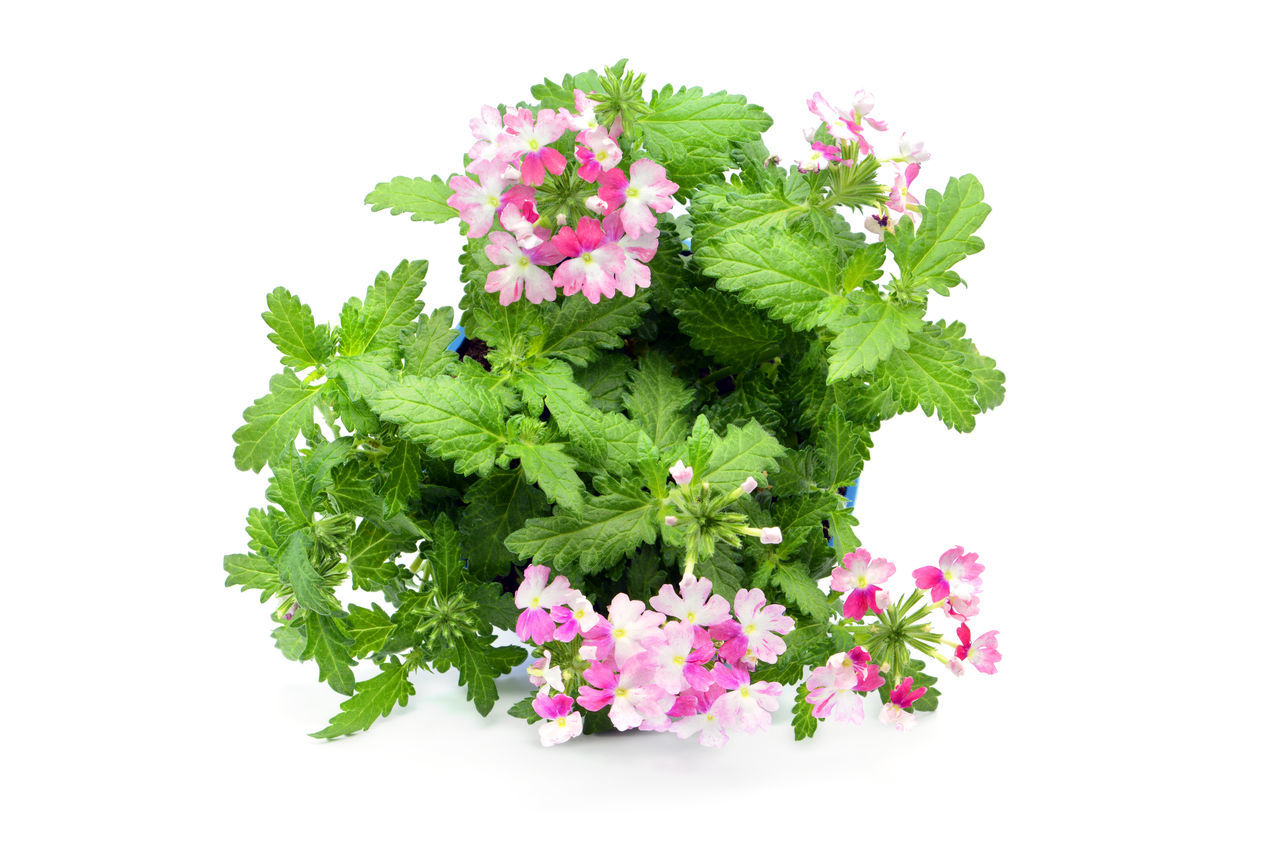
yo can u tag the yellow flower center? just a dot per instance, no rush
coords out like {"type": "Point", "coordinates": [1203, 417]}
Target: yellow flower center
{"type": "Point", "coordinates": [619, 692]}
{"type": "Point", "coordinates": [619, 633]}
{"type": "Point", "coordinates": [586, 258]}
{"type": "Point", "coordinates": [745, 691]}
{"type": "Point", "coordinates": [533, 603]}
{"type": "Point", "coordinates": [691, 616]}
{"type": "Point", "coordinates": [633, 193]}
{"type": "Point", "coordinates": [679, 659]}
{"type": "Point", "coordinates": [533, 145]}
{"type": "Point", "coordinates": [562, 722]}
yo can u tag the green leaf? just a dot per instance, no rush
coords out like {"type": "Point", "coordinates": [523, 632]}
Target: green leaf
{"type": "Point", "coordinates": [610, 526]}
{"type": "Point", "coordinates": [796, 584]}
{"type": "Point", "coordinates": [296, 570]}
{"type": "Point", "coordinates": [724, 571]}
{"type": "Point", "coordinates": [721, 209]}
{"type": "Point", "coordinates": [444, 560]}
{"type": "Point", "coordinates": [424, 199]}
{"type": "Point", "coordinates": [252, 572]}
{"type": "Point", "coordinates": [390, 305]}
{"type": "Point", "coordinates": [793, 277]}
{"type": "Point", "coordinates": [364, 374]}
{"type": "Point", "coordinates": [843, 448]}
{"type": "Point", "coordinates": [479, 664]}
{"type": "Point", "coordinates": [523, 710]}
{"type": "Point", "coordinates": [552, 95]}
{"type": "Point", "coordinates": [456, 420]}
{"type": "Point", "coordinates": [931, 375]}
{"type": "Point", "coordinates": [604, 381]}
{"type": "Point", "coordinates": [370, 629]}
{"type": "Point", "coordinates": [657, 401]}
{"type": "Point", "coordinates": [988, 381]}
{"type": "Point", "coordinates": [371, 548]}
{"type": "Point", "coordinates": [552, 382]}
{"type": "Point", "coordinates": [580, 332]}
{"type": "Point", "coordinates": [268, 530]}
{"type": "Point", "coordinates": [867, 337]}
{"type": "Point", "coordinates": [330, 647]}
{"type": "Point", "coordinates": [274, 421]}
{"type": "Point", "coordinates": [295, 334]}
{"type": "Point", "coordinates": [292, 488]}
{"type": "Point", "coordinates": [724, 327]}
{"type": "Point", "coordinates": [426, 344]}
{"type": "Point", "coordinates": [802, 719]}
{"type": "Point", "coordinates": [496, 506]}
{"type": "Point", "coordinates": [694, 133]}
{"type": "Point", "coordinates": [374, 698]}
{"type": "Point", "coordinates": [291, 642]}
{"type": "Point", "coordinates": [945, 236]}
{"type": "Point", "coordinates": [553, 470]}
{"type": "Point", "coordinates": [863, 266]}
{"type": "Point", "coordinates": [401, 477]}
{"type": "Point", "coordinates": [747, 451]}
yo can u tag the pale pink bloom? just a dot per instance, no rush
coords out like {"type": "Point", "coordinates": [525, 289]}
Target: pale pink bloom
{"type": "Point", "coordinates": [597, 642]}
{"type": "Point", "coordinates": [562, 722]}
{"type": "Point", "coordinates": [879, 223]}
{"type": "Point", "coordinates": [679, 655]}
{"type": "Point", "coordinates": [819, 157]}
{"type": "Point", "coordinates": [584, 120]}
{"type": "Point", "coordinates": [770, 536]}
{"type": "Point", "coordinates": [531, 141]}
{"type": "Point", "coordinates": [744, 705]}
{"type": "Point", "coordinates": [597, 153]}
{"type": "Point", "coordinates": [521, 220]}
{"type": "Point", "coordinates": [897, 712]}
{"type": "Point", "coordinates": [633, 627]}
{"type": "Point", "coordinates": [863, 103]}
{"type": "Point", "coordinates": [700, 717]}
{"type": "Point", "coordinates": [957, 578]}
{"type": "Point", "coordinates": [670, 522]}
{"type": "Point", "coordinates": [487, 129]}
{"type": "Point", "coordinates": [595, 204]}
{"type": "Point", "coordinates": [900, 197]}
{"type": "Point", "coordinates": [543, 675]}
{"type": "Point", "coordinates": [631, 695]}
{"type": "Point", "coordinates": [913, 151]}
{"type": "Point", "coordinates": [647, 188]}
{"type": "Point", "coordinates": [694, 604]}
{"type": "Point", "coordinates": [577, 618]}
{"type": "Point", "coordinates": [476, 203]}
{"type": "Point", "coordinates": [956, 665]}
{"type": "Point", "coordinates": [534, 595]}
{"type": "Point", "coordinates": [982, 653]}
{"type": "Point", "coordinates": [834, 687]}
{"type": "Point", "coordinates": [749, 485]}
{"type": "Point", "coordinates": [639, 251]}
{"type": "Point", "coordinates": [840, 124]}
{"type": "Point", "coordinates": [859, 575]}
{"type": "Point", "coordinates": [590, 264]}
{"type": "Point", "coordinates": [518, 272]}
{"type": "Point", "coordinates": [681, 473]}
{"type": "Point", "coordinates": [762, 624]}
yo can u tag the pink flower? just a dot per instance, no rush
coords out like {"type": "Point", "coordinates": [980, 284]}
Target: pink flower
{"type": "Point", "coordinates": [591, 263]}
{"type": "Point", "coordinates": [521, 219]}
{"type": "Point", "coordinates": [597, 152]}
{"type": "Point", "coordinates": [545, 676]}
{"type": "Point", "coordinates": [681, 473]}
{"type": "Point", "coordinates": [488, 130]}
{"type": "Point", "coordinates": [879, 223]}
{"type": "Point", "coordinates": [863, 103]}
{"type": "Point", "coordinates": [897, 712]}
{"type": "Point", "coordinates": [532, 141]}
{"type": "Point", "coordinates": [695, 603]}
{"type": "Point", "coordinates": [476, 203]}
{"type": "Point", "coordinates": [670, 522]}
{"type": "Point", "coordinates": [749, 485]}
{"type": "Point", "coordinates": [679, 656]}
{"type": "Point", "coordinates": [584, 120]}
{"type": "Point", "coordinates": [647, 188]}
{"type": "Point", "coordinates": [982, 653]}
{"type": "Point", "coordinates": [956, 578]}
{"type": "Point", "coordinates": [631, 695]}
{"type": "Point", "coordinates": [633, 627]}
{"type": "Point", "coordinates": [860, 575]}
{"type": "Point", "coordinates": [900, 197]}
{"type": "Point", "coordinates": [562, 722]}
{"type": "Point", "coordinates": [744, 705]}
{"type": "Point", "coordinates": [576, 619]}
{"type": "Point", "coordinates": [833, 688]}
{"type": "Point", "coordinates": [519, 271]}
{"type": "Point", "coordinates": [843, 125]}
{"type": "Point", "coordinates": [770, 536]}
{"type": "Point", "coordinates": [762, 624]}
{"type": "Point", "coordinates": [638, 252]}
{"type": "Point", "coordinates": [597, 642]}
{"type": "Point", "coordinates": [819, 157]}
{"type": "Point", "coordinates": [912, 151]}
{"type": "Point", "coordinates": [697, 715]}
{"type": "Point", "coordinates": [534, 595]}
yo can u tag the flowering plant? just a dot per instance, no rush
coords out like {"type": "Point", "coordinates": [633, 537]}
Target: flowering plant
{"type": "Point", "coordinates": [637, 457]}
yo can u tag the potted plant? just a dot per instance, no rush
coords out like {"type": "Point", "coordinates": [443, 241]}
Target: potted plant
{"type": "Point", "coordinates": [638, 456]}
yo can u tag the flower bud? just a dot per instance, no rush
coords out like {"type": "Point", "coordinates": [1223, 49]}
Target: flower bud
{"type": "Point", "coordinates": [595, 204]}
{"type": "Point", "coordinates": [770, 536]}
{"type": "Point", "coordinates": [749, 485]}
{"type": "Point", "coordinates": [670, 521]}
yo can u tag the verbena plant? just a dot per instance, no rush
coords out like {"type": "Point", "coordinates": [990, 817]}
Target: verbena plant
{"type": "Point", "coordinates": [653, 403]}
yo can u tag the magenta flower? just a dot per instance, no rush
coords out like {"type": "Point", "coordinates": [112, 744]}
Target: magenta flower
{"type": "Point", "coordinates": [897, 712]}
{"type": "Point", "coordinates": [633, 627]}
{"type": "Point", "coordinates": [843, 125]}
{"type": "Point", "coordinates": [956, 578]}
{"type": "Point", "coordinates": [819, 157]}
{"type": "Point", "coordinates": [762, 624]}
{"type": "Point", "coordinates": [695, 714]}
{"type": "Point", "coordinates": [859, 575]}
{"type": "Point", "coordinates": [562, 722]}
{"type": "Point", "coordinates": [530, 143]}
{"type": "Point", "coordinates": [520, 217]}
{"type": "Point", "coordinates": [647, 188]}
{"type": "Point", "coordinates": [695, 603]}
{"type": "Point", "coordinates": [518, 271]}
{"type": "Point", "coordinates": [982, 653]}
{"type": "Point", "coordinates": [590, 264]}
{"type": "Point", "coordinates": [535, 595]}
{"type": "Point", "coordinates": [597, 152]}
{"type": "Point", "coordinates": [681, 473]}
{"type": "Point", "coordinates": [631, 695]}
{"type": "Point", "coordinates": [488, 130]}
{"type": "Point", "coordinates": [744, 705]}
{"type": "Point", "coordinates": [638, 253]}
{"type": "Point", "coordinates": [477, 202]}
{"type": "Point", "coordinates": [597, 642]}
{"type": "Point", "coordinates": [834, 688]}
{"type": "Point", "coordinates": [900, 197]}
{"type": "Point", "coordinates": [578, 618]}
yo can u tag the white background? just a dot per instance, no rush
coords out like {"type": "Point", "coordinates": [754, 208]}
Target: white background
{"type": "Point", "coordinates": [165, 166]}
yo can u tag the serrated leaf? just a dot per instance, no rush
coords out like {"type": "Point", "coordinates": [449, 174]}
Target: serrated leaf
{"type": "Point", "coordinates": [579, 332]}
{"type": "Point", "coordinates": [868, 336]}
{"type": "Point", "coordinates": [374, 698]}
{"type": "Point", "coordinates": [444, 559]}
{"type": "Point", "coordinates": [747, 451]}
{"type": "Point", "coordinates": [844, 448]}
{"type": "Point", "coordinates": [456, 420]}
{"type": "Point", "coordinates": [390, 305]}
{"type": "Point", "coordinates": [988, 381]}
{"type": "Point", "coordinates": [290, 641]}
{"type": "Point", "coordinates": [329, 646]}
{"type": "Point", "coordinates": [802, 719]}
{"type": "Point", "coordinates": [294, 331]}
{"type": "Point", "coordinates": [721, 325]}
{"type": "Point", "coordinates": [370, 629]}
{"type": "Point", "coordinates": [292, 488]}
{"type": "Point", "coordinates": [296, 570]}
{"type": "Point", "coordinates": [553, 383]}
{"type": "Point", "coordinates": [553, 470]}
{"type": "Point", "coordinates": [364, 374]}
{"type": "Point", "coordinates": [604, 381]}
{"type": "Point", "coordinates": [252, 572]}
{"type": "Point", "coordinates": [724, 571]}
{"type": "Point", "coordinates": [720, 209]}
{"type": "Point", "coordinates": [274, 421]}
{"type": "Point", "coordinates": [796, 584]}
{"type": "Point", "coordinates": [792, 277]}
{"type": "Point", "coordinates": [496, 506]}
{"type": "Point", "coordinates": [371, 548]}
{"type": "Point", "coordinates": [401, 476]}
{"type": "Point", "coordinates": [426, 199]}
{"type": "Point", "coordinates": [426, 344]}
{"type": "Point", "coordinates": [479, 664]}
{"type": "Point", "coordinates": [930, 375]}
{"type": "Point", "coordinates": [945, 236]}
{"type": "Point", "coordinates": [657, 400]}
{"type": "Point", "coordinates": [609, 526]}
{"type": "Point", "coordinates": [863, 266]}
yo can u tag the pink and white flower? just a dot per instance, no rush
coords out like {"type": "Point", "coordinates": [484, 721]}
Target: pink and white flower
{"type": "Point", "coordinates": [681, 473]}
{"type": "Point", "coordinates": [834, 688]}
{"type": "Point", "coordinates": [530, 141]}
{"type": "Point", "coordinates": [982, 653]}
{"type": "Point", "coordinates": [521, 220]}
{"type": "Point", "coordinates": [858, 575]}
{"type": "Point", "coordinates": [633, 627]}
{"type": "Point", "coordinates": [543, 674]}
{"type": "Point", "coordinates": [744, 705]}
{"type": "Point", "coordinates": [583, 121]}
{"type": "Point", "coordinates": [680, 656]}
{"type": "Point", "coordinates": [912, 150]}
{"type": "Point", "coordinates": [488, 130]}
{"type": "Point", "coordinates": [819, 157]}
{"type": "Point", "coordinates": [647, 191]}
{"type": "Point", "coordinates": [770, 536]}
{"type": "Point", "coordinates": [900, 197]}
{"type": "Point", "coordinates": [477, 201]}
{"type": "Point", "coordinates": [639, 251]}
{"type": "Point", "coordinates": [698, 716]}
{"type": "Point", "coordinates": [562, 723]}
{"type": "Point", "coordinates": [577, 618]}
{"type": "Point", "coordinates": [841, 124]}
{"type": "Point", "coordinates": [590, 264]}
{"type": "Point", "coordinates": [518, 273]}
{"type": "Point", "coordinates": [630, 693]}
{"type": "Point", "coordinates": [597, 153]}
{"type": "Point", "coordinates": [897, 712]}
{"type": "Point", "coordinates": [534, 595]}
{"type": "Point", "coordinates": [957, 579]}
{"type": "Point", "coordinates": [879, 223]}
{"type": "Point", "coordinates": [762, 625]}
{"type": "Point", "coordinates": [694, 604]}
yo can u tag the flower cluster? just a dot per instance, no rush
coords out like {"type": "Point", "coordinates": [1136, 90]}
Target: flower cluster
{"type": "Point", "coordinates": [835, 689]}
{"type": "Point", "coordinates": [848, 130]}
{"type": "Point", "coordinates": [682, 666]}
{"type": "Point", "coordinates": [515, 159]}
